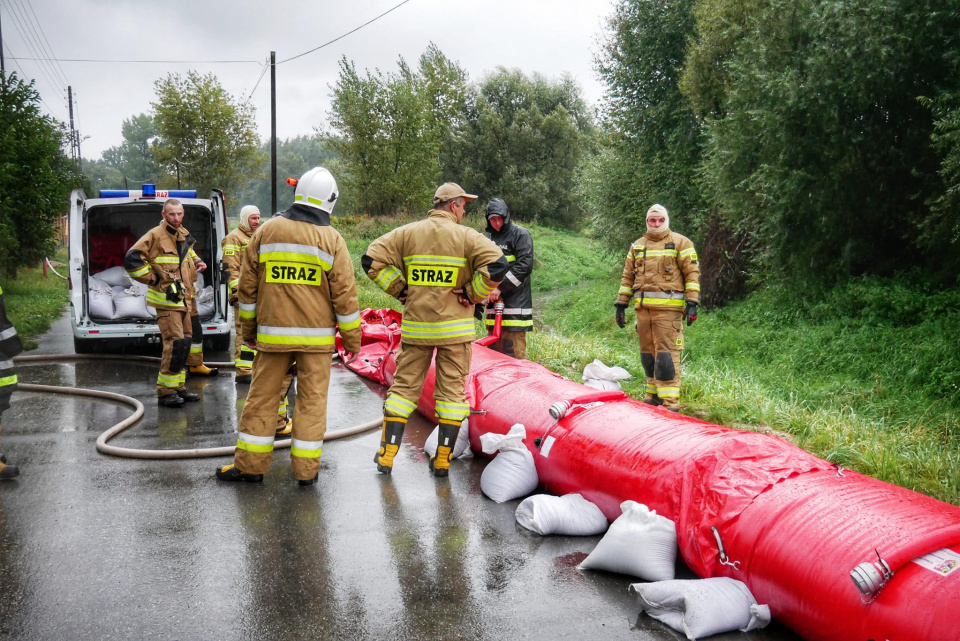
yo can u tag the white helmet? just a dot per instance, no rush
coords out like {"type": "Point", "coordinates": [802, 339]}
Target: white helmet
{"type": "Point", "coordinates": [317, 188]}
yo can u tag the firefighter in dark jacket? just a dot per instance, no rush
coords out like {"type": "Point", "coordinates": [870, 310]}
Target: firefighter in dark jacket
{"type": "Point", "coordinates": [157, 260]}
{"type": "Point", "coordinates": [10, 346]}
{"type": "Point", "coordinates": [514, 291]}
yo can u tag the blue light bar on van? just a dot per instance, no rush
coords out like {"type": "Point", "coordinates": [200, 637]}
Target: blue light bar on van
{"type": "Point", "coordinates": [136, 193]}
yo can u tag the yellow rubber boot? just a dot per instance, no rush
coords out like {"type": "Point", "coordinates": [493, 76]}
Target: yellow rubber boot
{"type": "Point", "coordinates": [203, 370]}
{"type": "Point", "coordinates": [393, 427]}
{"type": "Point", "coordinates": [446, 439]}
{"type": "Point", "coordinates": [286, 429]}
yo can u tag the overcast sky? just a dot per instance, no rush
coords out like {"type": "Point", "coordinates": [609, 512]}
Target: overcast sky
{"type": "Point", "coordinates": [546, 36]}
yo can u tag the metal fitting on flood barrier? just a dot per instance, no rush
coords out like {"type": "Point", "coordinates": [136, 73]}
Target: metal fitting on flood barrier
{"type": "Point", "coordinates": [870, 577]}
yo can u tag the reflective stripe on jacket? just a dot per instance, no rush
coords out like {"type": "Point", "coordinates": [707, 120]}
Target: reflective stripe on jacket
{"type": "Point", "coordinates": [431, 258]}
{"type": "Point", "coordinates": [155, 260]}
{"type": "Point", "coordinates": [661, 271]}
{"type": "Point", "coordinates": [233, 245]}
{"type": "Point", "coordinates": [297, 285]}
{"type": "Point", "coordinates": [10, 344]}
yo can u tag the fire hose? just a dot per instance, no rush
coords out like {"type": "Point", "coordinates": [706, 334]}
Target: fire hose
{"type": "Point", "coordinates": [124, 452]}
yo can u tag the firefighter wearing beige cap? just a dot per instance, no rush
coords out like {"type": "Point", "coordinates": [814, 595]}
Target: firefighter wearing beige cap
{"type": "Point", "coordinates": [438, 269]}
{"type": "Point", "coordinates": [661, 277]}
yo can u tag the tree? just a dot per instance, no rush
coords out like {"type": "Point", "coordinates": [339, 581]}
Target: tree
{"type": "Point", "coordinates": [206, 134]}
{"type": "Point", "coordinates": [35, 176]}
{"type": "Point", "coordinates": [134, 156]}
{"type": "Point", "coordinates": [524, 140]}
{"type": "Point", "coordinates": [389, 130]}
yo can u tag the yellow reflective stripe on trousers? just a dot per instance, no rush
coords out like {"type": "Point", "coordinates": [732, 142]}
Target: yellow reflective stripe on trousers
{"type": "Point", "coordinates": [196, 348]}
{"type": "Point", "coordinates": [257, 444]}
{"type": "Point", "coordinates": [168, 380]}
{"type": "Point", "coordinates": [694, 287]}
{"type": "Point", "coordinates": [8, 380]}
{"type": "Point", "coordinates": [283, 407]}
{"type": "Point", "coordinates": [443, 329]}
{"type": "Point", "coordinates": [651, 388]}
{"type": "Point", "coordinates": [386, 276]}
{"type": "Point", "coordinates": [306, 449]}
{"type": "Point", "coordinates": [295, 335]}
{"type": "Point", "coordinates": [434, 259]}
{"type": "Point", "coordinates": [296, 253]}
{"type": "Point", "coordinates": [143, 271]}
{"type": "Point", "coordinates": [480, 286]}
{"type": "Point", "coordinates": [156, 298]}
{"type": "Point", "coordinates": [452, 411]}
{"type": "Point", "coordinates": [399, 406]}
{"type": "Point", "coordinates": [668, 392]}
{"type": "Point", "coordinates": [348, 322]}
{"type": "Point", "coordinates": [247, 310]}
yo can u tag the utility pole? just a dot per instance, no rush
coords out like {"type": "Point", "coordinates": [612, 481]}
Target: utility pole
{"type": "Point", "coordinates": [273, 132]}
{"type": "Point", "coordinates": [73, 133]}
{"type": "Point", "coordinates": [2, 68]}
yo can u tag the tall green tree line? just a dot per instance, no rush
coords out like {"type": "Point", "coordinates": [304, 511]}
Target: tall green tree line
{"type": "Point", "coordinates": [817, 139]}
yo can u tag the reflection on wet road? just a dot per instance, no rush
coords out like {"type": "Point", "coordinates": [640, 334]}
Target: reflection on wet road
{"type": "Point", "coordinates": [95, 547]}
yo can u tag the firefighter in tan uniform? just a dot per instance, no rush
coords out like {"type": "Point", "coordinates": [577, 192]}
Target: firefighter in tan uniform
{"type": "Point", "coordinates": [662, 277]}
{"type": "Point", "coordinates": [233, 245]}
{"type": "Point", "coordinates": [296, 287]}
{"type": "Point", "coordinates": [195, 360]}
{"type": "Point", "coordinates": [438, 269]}
{"type": "Point", "coordinates": [10, 346]}
{"type": "Point", "coordinates": [157, 260]}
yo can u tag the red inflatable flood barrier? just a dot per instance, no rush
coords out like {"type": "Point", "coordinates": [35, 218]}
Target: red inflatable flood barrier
{"type": "Point", "coordinates": [792, 526]}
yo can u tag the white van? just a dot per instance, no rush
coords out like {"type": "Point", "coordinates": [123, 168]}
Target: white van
{"type": "Point", "coordinates": [108, 308]}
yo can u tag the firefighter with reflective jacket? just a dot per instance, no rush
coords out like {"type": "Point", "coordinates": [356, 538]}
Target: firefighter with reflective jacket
{"type": "Point", "coordinates": [195, 360]}
{"type": "Point", "coordinates": [233, 245]}
{"type": "Point", "coordinates": [296, 287]}
{"type": "Point", "coordinates": [10, 346]}
{"type": "Point", "coordinates": [157, 260]}
{"type": "Point", "coordinates": [514, 291]}
{"type": "Point", "coordinates": [438, 269]}
{"type": "Point", "coordinates": [661, 276]}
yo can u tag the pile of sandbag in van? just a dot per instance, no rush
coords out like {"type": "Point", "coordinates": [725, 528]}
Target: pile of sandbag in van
{"type": "Point", "coordinates": [112, 295]}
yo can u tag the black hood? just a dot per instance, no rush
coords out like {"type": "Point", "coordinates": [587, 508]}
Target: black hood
{"type": "Point", "coordinates": [497, 207]}
{"type": "Point", "coordinates": [306, 214]}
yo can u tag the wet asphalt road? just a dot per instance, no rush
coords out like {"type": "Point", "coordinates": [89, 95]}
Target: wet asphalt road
{"type": "Point", "coordinates": [96, 547]}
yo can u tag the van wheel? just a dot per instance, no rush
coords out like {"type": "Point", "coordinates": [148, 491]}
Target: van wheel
{"type": "Point", "coordinates": [84, 345]}
{"type": "Point", "coordinates": [221, 343]}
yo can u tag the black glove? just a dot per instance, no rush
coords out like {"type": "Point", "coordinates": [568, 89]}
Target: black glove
{"type": "Point", "coordinates": [402, 295]}
{"type": "Point", "coordinates": [621, 314]}
{"type": "Point", "coordinates": [175, 292]}
{"type": "Point", "coordinates": [479, 311]}
{"type": "Point", "coordinates": [690, 312]}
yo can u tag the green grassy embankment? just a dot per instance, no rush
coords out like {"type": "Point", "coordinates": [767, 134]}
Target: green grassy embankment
{"type": "Point", "coordinates": [34, 302]}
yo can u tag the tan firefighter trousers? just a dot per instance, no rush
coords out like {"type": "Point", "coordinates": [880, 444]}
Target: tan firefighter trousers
{"type": "Point", "coordinates": [661, 343]}
{"type": "Point", "coordinates": [176, 332]}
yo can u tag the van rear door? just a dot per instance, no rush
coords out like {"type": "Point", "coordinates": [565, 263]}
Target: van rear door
{"type": "Point", "coordinates": [78, 265]}
{"type": "Point", "coordinates": [220, 226]}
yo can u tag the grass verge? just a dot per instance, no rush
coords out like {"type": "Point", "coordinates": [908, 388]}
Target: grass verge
{"type": "Point", "coordinates": [34, 302]}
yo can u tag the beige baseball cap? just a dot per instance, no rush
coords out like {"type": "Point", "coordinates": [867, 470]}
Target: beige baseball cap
{"type": "Point", "coordinates": [449, 191]}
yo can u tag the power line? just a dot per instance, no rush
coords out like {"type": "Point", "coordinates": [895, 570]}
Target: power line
{"type": "Point", "coordinates": [300, 55]}
{"type": "Point", "coordinates": [49, 46]}
{"type": "Point", "coordinates": [24, 75]}
{"type": "Point", "coordinates": [263, 72]}
{"type": "Point", "coordinates": [152, 62]}
{"type": "Point", "coordinates": [25, 35]}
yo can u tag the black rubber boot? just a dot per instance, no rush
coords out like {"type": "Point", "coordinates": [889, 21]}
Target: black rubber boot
{"type": "Point", "coordinates": [189, 397]}
{"type": "Point", "coordinates": [309, 481]}
{"type": "Point", "coordinates": [243, 380]}
{"type": "Point", "coordinates": [170, 400]}
{"type": "Point", "coordinates": [231, 473]}
{"type": "Point", "coordinates": [9, 472]}
{"type": "Point", "coordinates": [393, 427]}
{"type": "Point", "coordinates": [446, 439]}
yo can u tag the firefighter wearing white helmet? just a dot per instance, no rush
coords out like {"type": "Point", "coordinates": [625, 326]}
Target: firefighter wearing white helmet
{"type": "Point", "coordinates": [296, 287]}
{"type": "Point", "coordinates": [661, 276]}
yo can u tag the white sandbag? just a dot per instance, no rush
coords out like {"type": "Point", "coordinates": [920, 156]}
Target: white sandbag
{"type": "Point", "coordinates": [118, 291]}
{"type": "Point", "coordinates": [199, 282]}
{"type": "Point", "coordinates": [639, 543]}
{"type": "Point", "coordinates": [115, 277]}
{"type": "Point", "coordinates": [205, 309]}
{"type": "Point", "coordinates": [100, 304]}
{"type": "Point", "coordinates": [131, 305]}
{"type": "Point", "coordinates": [152, 311]}
{"type": "Point", "coordinates": [205, 295]}
{"type": "Point", "coordinates": [461, 449]}
{"type": "Point", "coordinates": [703, 607]}
{"type": "Point", "coordinates": [600, 376]}
{"type": "Point", "coordinates": [94, 284]}
{"type": "Point", "coordinates": [512, 473]}
{"type": "Point", "coordinates": [570, 515]}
